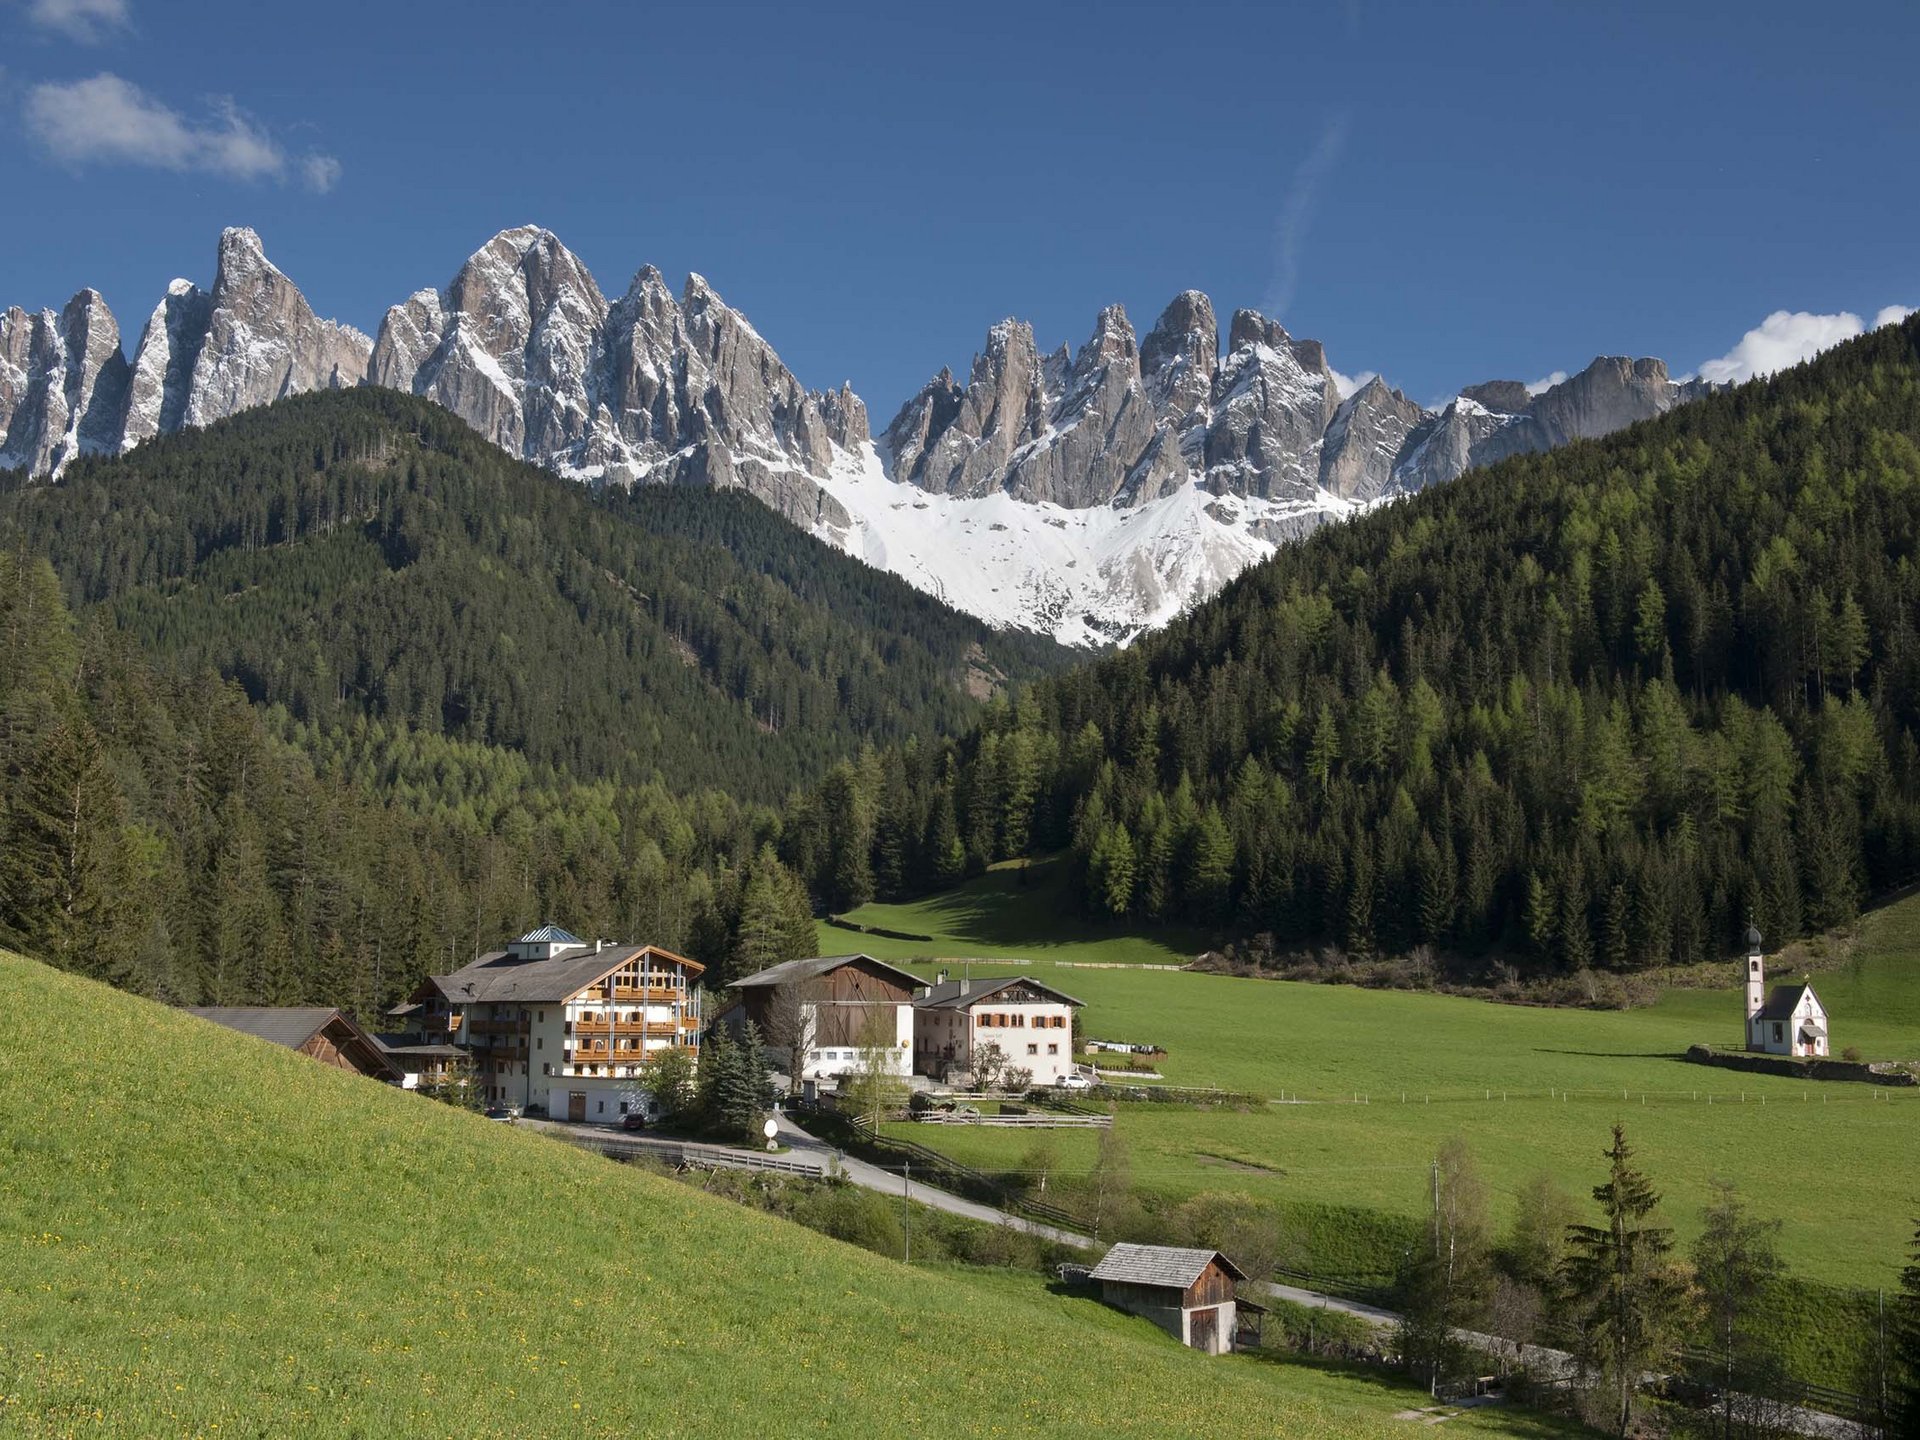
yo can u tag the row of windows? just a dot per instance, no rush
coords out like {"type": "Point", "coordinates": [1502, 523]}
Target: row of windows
{"type": "Point", "coordinates": [1035, 1049]}
{"type": "Point", "coordinates": [1018, 1021]}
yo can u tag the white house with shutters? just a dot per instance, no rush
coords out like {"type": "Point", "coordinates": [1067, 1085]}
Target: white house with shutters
{"type": "Point", "coordinates": [1790, 1021]}
{"type": "Point", "coordinates": [1032, 1023]}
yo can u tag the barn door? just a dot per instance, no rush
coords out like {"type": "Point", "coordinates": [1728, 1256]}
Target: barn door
{"type": "Point", "coordinates": [576, 1105]}
{"type": "Point", "coordinates": [1205, 1330]}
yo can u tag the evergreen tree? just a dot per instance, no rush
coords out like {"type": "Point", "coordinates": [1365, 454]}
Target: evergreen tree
{"type": "Point", "coordinates": [1628, 1302]}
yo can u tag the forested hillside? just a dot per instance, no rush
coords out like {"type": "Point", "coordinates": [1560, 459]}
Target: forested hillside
{"type": "Point", "coordinates": [364, 554]}
{"type": "Point", "coordinates": [323, 698]}
{"type": "Point", "coordinates": [1590, 708]}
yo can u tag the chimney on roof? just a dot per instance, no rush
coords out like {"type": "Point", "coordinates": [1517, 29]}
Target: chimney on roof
{"type": "Point", "coordinates": [596, 946]}
{"type": "Point", "coordinates": [940, 977]}
{"type": "Point", "coordinates": [966, 986]}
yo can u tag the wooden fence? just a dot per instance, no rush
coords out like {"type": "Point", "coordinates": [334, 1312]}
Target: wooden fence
{"type": "Point", "coordinates": [1057, 1121]}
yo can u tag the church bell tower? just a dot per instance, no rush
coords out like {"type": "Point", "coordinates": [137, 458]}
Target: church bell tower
{"type": "Point", "coordinates": [1756, 987]}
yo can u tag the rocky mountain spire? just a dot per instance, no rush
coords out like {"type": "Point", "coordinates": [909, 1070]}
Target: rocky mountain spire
{"type": "Point", "coordinates": [263, 340]}
{"type": "Point", "coordinates": [63, 381]}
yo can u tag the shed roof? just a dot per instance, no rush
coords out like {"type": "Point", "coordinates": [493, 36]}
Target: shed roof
{"type": "Point", "coordinates": [1783, 1001]}
{"type": "Point", "coordinates": [294, 1025]}
{"type": "Point", "coordinates": [789, 972]}
{"type": "Point", "coordinates": [963, 994]}
{"type": "Point", "coordinates": [1168, 1266]}
{"type": "Point", "coordinates": [504, 976]}
{"type": "Point", "coordinates": [288, 1025]}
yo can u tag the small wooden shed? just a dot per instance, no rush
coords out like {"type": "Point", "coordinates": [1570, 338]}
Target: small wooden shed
{"type": "Point", "coordinates": [1187, 1293]}
{"type": "Point", "coordinates": [319, 1032]}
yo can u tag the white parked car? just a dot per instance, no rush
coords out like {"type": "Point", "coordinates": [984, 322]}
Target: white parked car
{"type": "Point", "coordinates": [1073, 1080]}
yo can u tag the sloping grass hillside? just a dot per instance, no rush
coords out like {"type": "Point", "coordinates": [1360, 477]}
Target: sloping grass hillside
{"type": "Point", "coordinates": [201, 1234]}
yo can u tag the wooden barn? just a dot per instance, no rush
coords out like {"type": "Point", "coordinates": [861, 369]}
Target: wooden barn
{"type": "Point", "coordinates": [318, 1032]}
{"type": "Point", "coordinates": [1187, 1293]}
{"type": "Point", "coordinates": [826, 1003]}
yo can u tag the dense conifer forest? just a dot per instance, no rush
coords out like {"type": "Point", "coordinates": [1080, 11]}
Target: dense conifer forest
{"type": "Point", "coordinates": [1592, 708]}
{"type": "Point", "coordinates": [363, 553]}
{"type": "Point", "coordinates": [316, 701]}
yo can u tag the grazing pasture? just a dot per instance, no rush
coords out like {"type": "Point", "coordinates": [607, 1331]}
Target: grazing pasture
{"type": "Point", "coordinates": [204, 1234]}
{"type": "Point", "coordinates": [1384, 1077]}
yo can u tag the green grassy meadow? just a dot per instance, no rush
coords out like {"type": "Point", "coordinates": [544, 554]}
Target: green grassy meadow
{"type": "Point", "coordinates": [1392, 1074]}
{"type": "Point", "coordinates": [205, 1235]}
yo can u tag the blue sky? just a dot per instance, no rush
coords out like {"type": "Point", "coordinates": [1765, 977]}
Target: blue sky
{"type": "Point", "coordinates": [1440, 192]}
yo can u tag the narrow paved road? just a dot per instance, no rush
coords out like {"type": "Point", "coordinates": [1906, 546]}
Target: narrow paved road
{"type": "Point", "coordinates": [815, 1156]}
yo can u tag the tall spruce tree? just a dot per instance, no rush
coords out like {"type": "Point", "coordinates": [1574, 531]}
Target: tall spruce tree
{"type": "Point", "coordinates": [1628, 1301]}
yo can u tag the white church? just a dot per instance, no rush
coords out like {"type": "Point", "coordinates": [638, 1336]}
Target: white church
{"type": "Point", "coordinates": [1790, 1021]}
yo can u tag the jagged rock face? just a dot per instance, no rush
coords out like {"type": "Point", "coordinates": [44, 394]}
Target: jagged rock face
{"type": "Point", "coordinates": [1610, 394]}
{"type": "Point", "coordinates": [525, 348]}
{"type": "Point", "coordinates": [1365, 440]}
{"type": "Point", "coordinates": [1273, 400]}
{"type": "Point", "coordinates": [16, 345]}
{"type": "Point", "coordinates": [70, 392]}
{"type": "Point", "coordinates": [509, 346]}
{"type": "Point", "coordinates": [263, 341]}
{"type": "Point", "coordinates": [961, 439]}
{"type": "Point", "coordinates": [163, 364]}
{"type": "Point", "coordinates": [1180, 356]}
{"type": "Point", "coordinates": [845, 416]}
{"type": "Point", "coordinates": [1099, 442]}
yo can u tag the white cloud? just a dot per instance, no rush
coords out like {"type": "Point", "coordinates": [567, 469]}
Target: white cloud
{"type": "Point", "coordinates": [87, 22]}
{"type": "Point", "coordinates": [108, 120]}
{"type": "Point", "coordinates": [1786, 337]}
{"type": "Point", "coordinates": [321, 172]}
{"type": "Point", "coordinates": [1546, 382]}
{"type": "Point", "coordinates": [1351, 384]}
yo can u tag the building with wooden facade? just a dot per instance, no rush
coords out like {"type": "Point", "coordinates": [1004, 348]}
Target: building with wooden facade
{"type": "Point", "coordinates": [828, 1003]}
{"type": "Point", "coordinates": [558, 1023]}
{"type": "Point", "coordinates": [1031, 1023]}
{"type": "Point", "coordinates": [319, 1032]}
{"type": "Point", "coordinates": [1187, 1293]}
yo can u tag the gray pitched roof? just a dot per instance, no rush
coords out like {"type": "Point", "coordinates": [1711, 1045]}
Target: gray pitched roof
{"type": "Point", "coordinates": [501, 976]}
{"type": "Point", "coordinates": [790, 971]}
{"type": "Point", "coordinates": [950, 996]}
{"type": "Point", "coordinates": [1163, 1265]}
{"type": "Point", "coordinates": [1784, 1000]}
{"type": "Point", "coordinates": [288, 1025]}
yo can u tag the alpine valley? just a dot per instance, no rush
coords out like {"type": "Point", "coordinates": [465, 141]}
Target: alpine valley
{"type": "Point", "coordinates": [1086, 495]}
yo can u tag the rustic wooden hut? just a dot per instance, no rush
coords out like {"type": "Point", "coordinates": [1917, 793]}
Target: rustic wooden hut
{"type": "Point", "coordinates": [1187, 1293]}
{"type": "Point", "coordinates": [317, 1031]}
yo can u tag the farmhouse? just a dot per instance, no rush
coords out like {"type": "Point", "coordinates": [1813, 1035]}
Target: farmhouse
{"type": "Point", "coordinates": [320, 1032]}
{"type": "Point", "coordinates": [1790, 1021]}
{"type": "Point", "coordinates": [557, 1022]}
{"type": "Point", "coordinates": [825, 1004]}
{"type": "Point", "coordinates": [1030, 1023]}
{"type": "Point", "coordinates": [1187, 1293]}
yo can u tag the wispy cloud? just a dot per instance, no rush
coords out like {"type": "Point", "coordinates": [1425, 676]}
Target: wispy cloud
{"type": "Point", "coordinates": [320, 172]}
{"type": "Point", "coordinates": [1786, 337]}
{"type": "Point", "coordinates": [106, 120]}
{"type": "Point", "coordinates": [1546, 382]}
{"type": "Point", "coordinates": [1298, 210]}
{"type": "Point", "coordinates": [88, 22]}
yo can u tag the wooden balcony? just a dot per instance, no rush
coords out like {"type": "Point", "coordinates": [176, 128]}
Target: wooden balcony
{"type": "Point", "coordinates": [581, 1030]}
{"type": "Point", "coordinates": [646, 994]}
